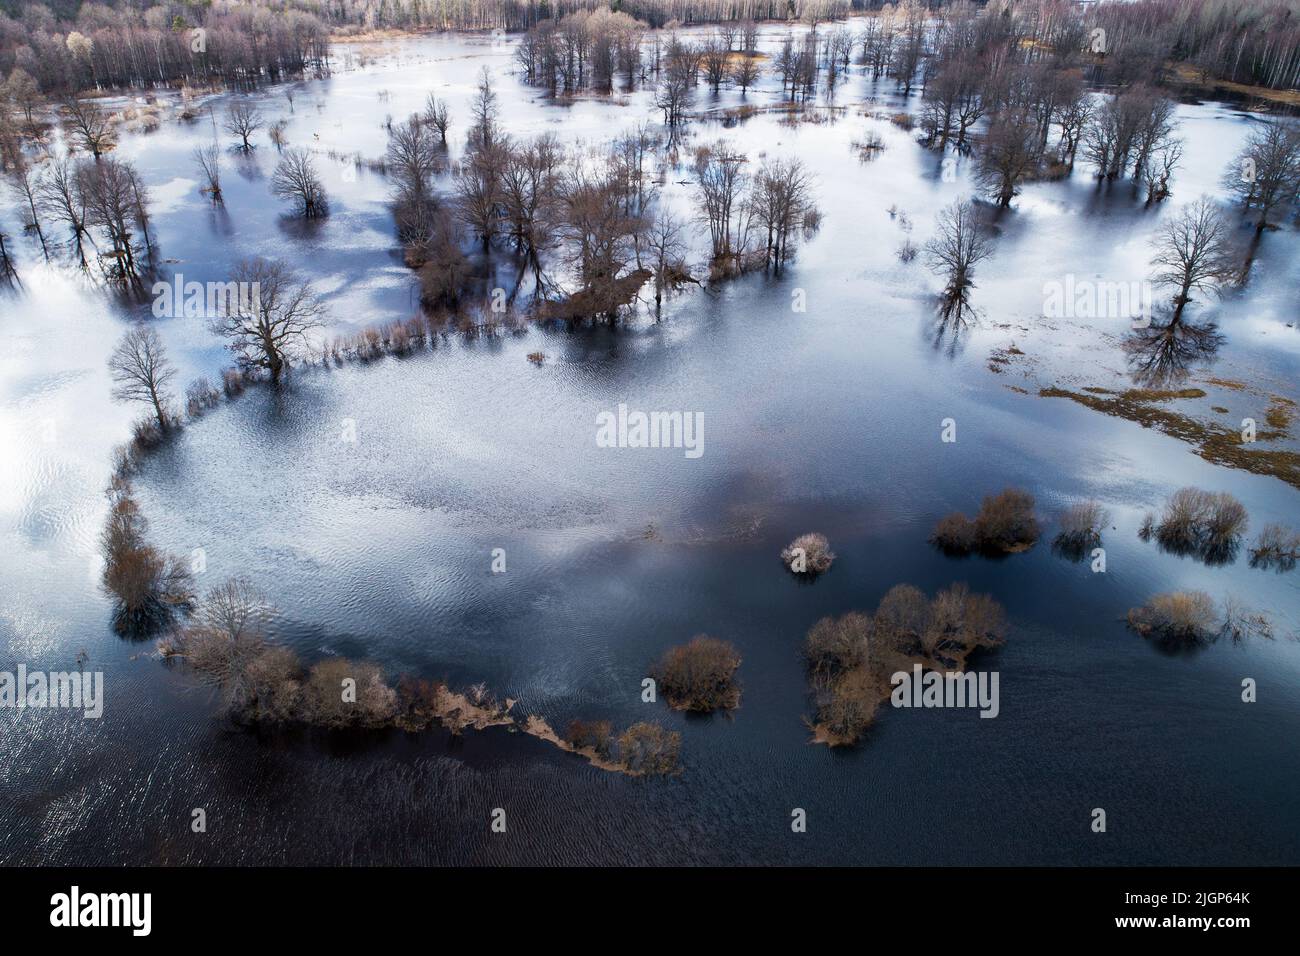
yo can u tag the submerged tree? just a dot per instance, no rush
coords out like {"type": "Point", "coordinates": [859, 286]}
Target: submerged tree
{"type": "Point", "coordinates": [243, 119]}
{"type": "Point", "coordinates": [271, 327]}
{"type": "Point", "coordinates": [1266, 174]}
{"type": "Point", "coordinates": [295, 180]}
{"type": "Point", "coordinates": [962, 240]}
{"type": "Point", "coordinates": [142, 373]}
{"type": "Point", "coordinates": [88, 126]}
{"type": "Point", "coordinates": [208, 159]}
{"type": "Point", "coordinates": [1194, 253]}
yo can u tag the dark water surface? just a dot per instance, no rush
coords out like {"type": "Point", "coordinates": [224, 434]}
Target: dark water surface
{"type": "Point", "coordinates": [825, 420]}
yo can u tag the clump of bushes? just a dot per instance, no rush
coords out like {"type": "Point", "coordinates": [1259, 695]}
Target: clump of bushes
{"type": "Point", "coordinates": [1277, 546]}
{"type": "Point", "coordinates": [1183, 619]}
{"type": "Point", "coordinates": [594, 735]}
{"type": "Point", "coordinates": [151, 588]}
{"type": "Point", "coordinates": [850, 657]}
{"type": "Point", "coordinates": [699, 676]}
{"type": "Point", "coordinates": [1081, 527]}
{"type": "Point", "coordinates": [649, 749]}
{"type": "Point", "coordinates": [1206, 524]}
{"type": "Point", "coordinates": [200, 396]}
{"type": "Point", "coordinates": [1005, 524]}
{"type": "Point", "coordinates": [808, 555]}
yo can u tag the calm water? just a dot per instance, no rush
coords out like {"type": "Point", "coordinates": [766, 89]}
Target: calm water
{"type": "Point", "coordinates": [820, 420]}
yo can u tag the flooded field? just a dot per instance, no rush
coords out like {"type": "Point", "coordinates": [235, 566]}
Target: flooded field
{"type": "Point", "coordinates": [367, 501]}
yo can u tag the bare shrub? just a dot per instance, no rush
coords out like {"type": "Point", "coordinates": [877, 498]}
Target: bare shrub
{"type": "Point", "coordinates": [1006, 521]}
{"type": "Point", "coordinates": [1202, 523]}
{"type": "Point", "coordinates": [200, 396]}
{"type": "Point", "coordinates": [150, 588]}
{"type": "Point", "coordinates": [808, 554]}
{"type": "Point", "coordinates": [1177, 618]}
{"type": "Point", "coordinates": [1005, 524]}
{"type": "Point", "coordinates": [954, 533]}
{"type": "Point", "coordinates": [1276, 546]}
{"type": "Point", "coordinates": [646, 748]}
{"type": "Point", "coordinates": [838, 644]}
{"type": "Point", "coordinates": [1081, 527]}
{"type": "Point", "coordinates": [594, 735]}
{"type": "Point", "coordinates": [846, 704]}
{"type": "Point", "coordinates": [343, 693]}
{"type": "Point", "coordinates": [699, 676]}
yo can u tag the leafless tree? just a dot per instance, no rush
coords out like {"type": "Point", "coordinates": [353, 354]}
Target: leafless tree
{"type": "Point", "coordinates": [744, 72]}
{"type": "Point", "coordinates": [28, 184]}
{"type": "Point", "coordinates": [780, 200]}
{"type": "Point", "coordinates": [1266, 174]}
{"type": "Point", "coordinates": [713, 60]}
{"type": "Point", "coordinates": [1194, 252]}
{"type": "Point", "coordinates": [271, 327]}
{"type": "Point", "coordinates": [413, 158]}
{"type": "Point", "coordinates": [438, 116]}
{"type": "Point", "coordinates": [1009, 157]}
{"type": "Point", "coordinates": [722, 185]}
{"type": "Point", "coordinates": [295, 180]}
{"type": "Point", "coordinates": [64, 201]}
{"type": "Point", "coordinates": [962, 240]}
{"type": "Point", "coordinates": [113, 200]}
{"type": "Point", "coordinates": [1159, 170]}
{"type": "Point", "coordinates": [672, 94]}
{"type": "Point", "coordinates": [208, 159]}
{"type": "Point", "coordinates": [666, 241]}
{"type": "Point", "coordinates": [142, 373]}
{"type": "Point", "coordinates": [243, 119]}
{"type": "Point", "coordinates": [88, 126]}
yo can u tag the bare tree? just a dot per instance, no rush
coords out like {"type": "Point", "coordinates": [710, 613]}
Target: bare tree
{"type": "Point", "coordinates": [64, 201]}
{"type": "Point", "coordinates": [713, 60]}
{"type": "Point", "coordinates": [1009, 157]}
{"type": "Point", "coordinates": [722, 184]}
{"type": "Point", "coordinates": [208, 159]}
{"type": "Point", "coordinates": [271, 327]}
{"type": "Point", "coordinates": [113, 200]}
{"type": "Point", "coordinates": [142, 373]}
{"type": "Point", "coordinates": [781, 199]}
{"type": "Point", "coordinates": [666, 242]}
{"type": "Point", "coordinates": [1194, 253]}
{"type": "Point", "coordinates": [438, 116]}
{"type": "Point", "coordinates": [28, 184]}
{"type": "Point", "coordinates": [243, 119]}
{"type": "Point", "coordinates": [744, 72]}
{"type": "Point", "coordinates": [962, 240]}
{"type": "Point", "coordinates": [88, 126]}
{"type": "Point", "coordinates": [295, 180]}
{"type": "Point", "coordinates": [1266, 174]}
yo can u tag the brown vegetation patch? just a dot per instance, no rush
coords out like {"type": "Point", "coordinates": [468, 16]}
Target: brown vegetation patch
{"type": "Point", "coordinates": [850, 658]}
{"type": "Point", "coordinates": [699, 676]}
{"type": "Point", "coordinates": [1213, 442]}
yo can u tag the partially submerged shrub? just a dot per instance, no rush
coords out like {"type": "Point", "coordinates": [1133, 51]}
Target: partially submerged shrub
{"type": "Point", "coordinates": [699, 676]}
{"type": "Point", "coordinates": [1177, 618]}
{"type": "Point", "coordinates": [808, 554]}
{"type": "Point", "coordinates": [1277, 546]}
{"type": "Point", "coordinates": [343, 693]}
{"type": "Point", "coordinates": [200, 396]}
{"type": "Point", "coordinates": [1202, 523]}
{"type": "Point", "coordinates": [1005, 524]}
{"type": "Point", "coordinates": [954, 533]}
{"type": "Point", "coordinates": [838, 644]}
{"type": "Point", "coordinates": [151, 588]}
{"type": "Point", "coordinates": [1006, 521]}
{"type": "Point", "coordinates": [851, 657]}
{"type": "Point", "coordinates": [649, 749]}
{"type": "Point", "coordinates": [1081, 527]}
{"type": "Point", "coordinates": [594, 735]}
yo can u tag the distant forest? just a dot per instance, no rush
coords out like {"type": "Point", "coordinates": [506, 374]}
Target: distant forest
{"type": "Point", "coordinates": [63, 46]}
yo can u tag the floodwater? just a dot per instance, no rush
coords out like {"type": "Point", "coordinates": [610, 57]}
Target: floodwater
{"type": "Point", "coordinates": [824, 419]}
